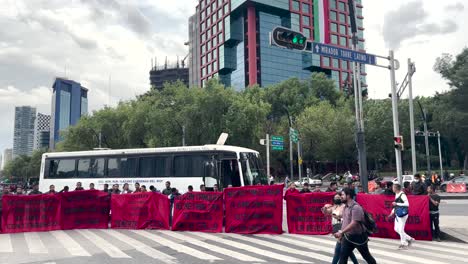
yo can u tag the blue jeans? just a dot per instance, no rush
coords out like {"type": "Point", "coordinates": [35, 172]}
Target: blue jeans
{"type": "Point", "coordinates": [336, 256]}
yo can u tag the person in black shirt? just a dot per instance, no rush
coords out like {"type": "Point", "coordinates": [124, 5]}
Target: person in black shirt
{"type": "Point", "coordinates": [35, 190]}
{"type": "Point", "coordinates": [389, 189]}
{"type": "Point", "coordinates": [332, 188]}
{"type": "Point", "coordinates": [65, 189]}
{"type": "Point", "coordinates": [434, 201]}
{"type": "Point", "coordinates": [305, 188]}
{"type": "Point", "coordinates": [417, 186]}
{"type": "Point", "coordinates": [106, 188]}
{"type": "Point", "coordinates": [79, 187]}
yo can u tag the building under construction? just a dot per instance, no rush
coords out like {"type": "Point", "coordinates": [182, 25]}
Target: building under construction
{"type": "Point", "coordinates": [168, 73]}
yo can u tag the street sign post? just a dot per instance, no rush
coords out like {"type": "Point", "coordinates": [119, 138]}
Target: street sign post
{"type": "Point", "coordinates": [294, 135]}
{"type": "Point", "coordinates": [343, 54]}
{"type": "Point", "coordinates": [277, 143]}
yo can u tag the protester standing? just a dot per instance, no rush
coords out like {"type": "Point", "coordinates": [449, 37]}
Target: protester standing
{"type": "Point", "coordinates": [202, 188]}
{"type": "Point", "coordinates": [137, 187]}
{"type": "Point", "coordinates": [143, 189]}
{"type": "Point", "coordinates": [65, 189]}
{"type": "Point", "coordinates": [352, 234]}
{"type": "Point", "coordinates": [91, 187]}
{"type": "Point", "coordinates": [35, 190]}
{"type": "Point", "coordinates": [19, 190]}
{"type": "Point", "coordinates": [400, 211]}
{"type": "Point", "coordinates": [126, 189]}
{"type": "Point", "coordinates": [215, 188]}
{"type": "Point", "coordinates": [115, 189]}
{"type": "Point", "coordinates": [51, 190]}
{"type": "Point", "coordinates": [332, 188]}
{"type": "Point", "coordinates": [292, 189]}
{"type": "Point", "coordinates": [336, 211]}
{"type": "Point", "coordinates": [190, 188]}
{"type": "Point", "coordinates": [79, 187]}
{"type": "Point", "coordinates": [168, 189]}
{"type": "Point", "coordinates": [417, 186]}
{"type": "Point", "coordinates": [434, 201]}
{"type": "Point", "coordinates": [389, 189]}
{"type": "Point", "coordinates": [271, 180]}
{"type": "Point", "coordinates": [407, 188]}
{"type": "Point", "coordinates": [305, 188]}
{"type": "Point", "coordinates": [106, 188]}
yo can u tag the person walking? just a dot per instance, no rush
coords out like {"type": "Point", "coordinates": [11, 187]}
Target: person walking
{"type": "Point", "coordinates": [353, 235]}
{"type": "Point", "coordinates": [336, 211]}
{"type": "Point", "coordinates": [434, 201]}
{"type": "Point", "coordinates": [400, 212]}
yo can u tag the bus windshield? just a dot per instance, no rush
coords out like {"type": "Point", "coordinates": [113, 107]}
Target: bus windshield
{"type": "Point", "coordinates": [252, 169]}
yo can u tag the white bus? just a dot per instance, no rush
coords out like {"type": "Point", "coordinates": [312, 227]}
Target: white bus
{"type": "Point", "coordinates": [182, 166]}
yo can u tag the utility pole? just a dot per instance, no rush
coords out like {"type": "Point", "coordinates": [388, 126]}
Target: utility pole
{"type": "Point", "coordinates": [411, 71]}
{"type": "Point", "coordinates": [360, 139]}
{"type": "Point", "coordinates": [299, 160]}
{"type": "Point", "coordinates": [291, 164]}
{"type": "Point", "coordinates": [440, 155]}
{"type": "Point", "coordinates": [267, 144]}
{"type": "Point", "coordinates": [396, 127]}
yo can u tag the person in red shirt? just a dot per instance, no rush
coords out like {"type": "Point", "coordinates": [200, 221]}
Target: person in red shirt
{"type": "Point", "coordinates": [292, 189]}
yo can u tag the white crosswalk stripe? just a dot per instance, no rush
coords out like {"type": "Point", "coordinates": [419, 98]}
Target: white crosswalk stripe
{"type": "Point", "coordinates": [196, 247]}
{"type": "Point", "coordinates": [221, 250]}
{"type": "Point", "coordinates": [104, 245]}
{"type": "Point", "coordinates": [253, 249]}
{"type": "Point", "coordinates": [175, 246]}
{"type": "Point", "coordinates": [34, 243]}
{"type": "Point", "coordinates": [5, 243]}
{"type": "Point", "coordinates": [143, 248]}
{"type": "Point", "coordinates": [69, 244]}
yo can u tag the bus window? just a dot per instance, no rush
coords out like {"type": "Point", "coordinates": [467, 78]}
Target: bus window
{"type": "Point", "coordinates": [121, 167]}
{"type": "Point", "coordinates": [252, 170]}
{"type": "Point", "coordinates": [83, 168]}
{"type": "Point", "coordinates": [154, 167]}
{"type": "Point", "coordinates": [230, 173]}
{"type": "Point", "coordinates": [189, 165]}
{"type": "Point", "coordinates": [96, 169]}
{"type": "Point", "coordinates": [62, 168]}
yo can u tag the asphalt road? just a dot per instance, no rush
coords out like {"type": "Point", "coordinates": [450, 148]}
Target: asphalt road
{"type": "Point", "coordinates": [454, 208]}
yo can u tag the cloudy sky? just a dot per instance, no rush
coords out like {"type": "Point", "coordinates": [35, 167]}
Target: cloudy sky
{"type": "Point", "coordinates": [102, 42]}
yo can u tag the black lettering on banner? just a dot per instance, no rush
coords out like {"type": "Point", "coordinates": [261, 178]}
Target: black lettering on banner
{"type": "Point", "coordinates": [252, 216]}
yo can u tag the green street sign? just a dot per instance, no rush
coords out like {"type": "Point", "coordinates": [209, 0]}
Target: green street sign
{"type": "Point", "coordinates": [277, 138]}
{"type": "Point", "coordinates": [294, 135]}
{"type": "Point", "coordinates": [277, 148]}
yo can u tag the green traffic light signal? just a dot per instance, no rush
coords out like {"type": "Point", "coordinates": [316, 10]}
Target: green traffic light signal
{"type": "Point", "coordinates": [295, 40]}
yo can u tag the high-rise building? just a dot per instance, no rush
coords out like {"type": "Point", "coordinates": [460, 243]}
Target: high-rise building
{"type": "Point", "coordinates": [23, 138]}
{"type": "Point", "coordinates": [194, 50]}
{"type": "Point", "coordinates": [159, 75]}
{"type": "Point", "coordinates": [42, 131]}
{"type": "Point", "coordinates": [69, 103]}
{"type": "Point", "coordinates": [7, 157]}
{"type": "Point", "coordinates": [235, 44]}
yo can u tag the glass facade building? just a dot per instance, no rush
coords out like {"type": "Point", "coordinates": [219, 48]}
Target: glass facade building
{"type": "Point", "coordinates": [69, 103]}
{"type": "Point", "coordinates": [234, 43]}
{"type": "Point", "coordinates": [23, 138]}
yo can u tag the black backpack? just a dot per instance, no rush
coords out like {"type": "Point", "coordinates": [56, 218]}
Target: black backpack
{"type": "Point", "coordinates": [369, 223]}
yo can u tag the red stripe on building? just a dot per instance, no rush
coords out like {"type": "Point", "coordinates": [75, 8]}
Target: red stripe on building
{"type": "Point", "coordinates": [252, 44]}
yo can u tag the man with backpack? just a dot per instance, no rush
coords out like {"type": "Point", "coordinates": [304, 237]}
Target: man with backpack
{"type": "Point", "coordinates": [354, 233]}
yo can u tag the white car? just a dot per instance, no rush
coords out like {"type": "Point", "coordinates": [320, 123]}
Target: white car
{"type": "Point", "coordinates": [310, 181]}
{"type": "Point", "coordinates": [406, 178]}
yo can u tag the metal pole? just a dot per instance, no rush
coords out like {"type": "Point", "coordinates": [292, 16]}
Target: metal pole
{"type": "Point", "coordinates": [183, 136]}
{"type": "Point", "coordinates": [396, 127]}
{"type": "Point", "coordinates": [440, 155]}
{"type": "Point", "coordinates": [299, 161]}
{"type": "Point", "coordinates": [291, 154]}
{"type": "Point", "coordinates": [426, 139]}
{"type": "Point", "coordinates": [411, 113]}
{"type": "Point", "coordinates": [267, 144]}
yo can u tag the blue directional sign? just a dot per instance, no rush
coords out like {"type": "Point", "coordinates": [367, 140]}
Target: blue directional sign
{"type": "Point", "coordinates": [277, 143]}
{"type": "Point", "coordinates": [344, 54]}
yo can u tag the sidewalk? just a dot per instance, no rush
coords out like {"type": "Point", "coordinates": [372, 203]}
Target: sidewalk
{"type": "Point", "coordinates": [454, 228]}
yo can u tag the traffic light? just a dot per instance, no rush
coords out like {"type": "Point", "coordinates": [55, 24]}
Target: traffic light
{"type": "Point", "coordinates": [287, 38]}
{"type": "Point", "coordinates": [398, 141]}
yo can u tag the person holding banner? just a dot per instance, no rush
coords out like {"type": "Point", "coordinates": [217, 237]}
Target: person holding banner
{"type": "Point", "coordinates": [336, 211]}
{"type": "Point", "coordinates": [353, 235]}
{"type": "Point", "coordinates": [400, 211]}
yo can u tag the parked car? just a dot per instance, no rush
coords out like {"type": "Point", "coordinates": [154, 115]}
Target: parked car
{"type": "Point", "coordinates": [310, 181]}
{"type": "Point", "coordinates": [459, 179]}
{"type": "Point", "coordinates": [405, 178]}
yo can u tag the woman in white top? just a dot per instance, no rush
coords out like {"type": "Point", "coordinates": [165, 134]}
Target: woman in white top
{"type": "Point", "coordinates": [400, 211]}
{"type": "Point", "coordinates": [336, 211]}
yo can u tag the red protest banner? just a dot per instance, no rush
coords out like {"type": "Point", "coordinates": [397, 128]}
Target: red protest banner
{"type": "Point", "coordinates": [380, 206]}
{"type": "Point", "coordinates": [30, 213]}
{"type": "Point", "coordinates": [305, 215]}
{"type": "Point", "coordinates": [198, 211]}
{"type": "Point", "coordinates": [140, 211]}
{"type": "Point", "coordinates": [254, 209]}
{"type": "Point", "coordinates": [85, 209]}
